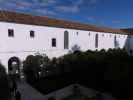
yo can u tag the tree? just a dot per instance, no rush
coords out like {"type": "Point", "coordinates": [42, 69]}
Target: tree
{"type": "Point", "coordinates": [4, 84]}
{"type": "Point", "coordinates": [35, 67]}
{"type": "Point", "coordinates": [31, 68]}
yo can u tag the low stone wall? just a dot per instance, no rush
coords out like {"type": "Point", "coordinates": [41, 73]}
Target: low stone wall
{"type": "Point", "coordinates": [60, 94]}
{"type": "Point", "coordinates": [70, 90]}
{"type": "Point", "coordinates": [92, 93]}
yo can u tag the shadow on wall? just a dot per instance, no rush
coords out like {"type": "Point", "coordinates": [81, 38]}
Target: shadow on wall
{"type": "Point", "coordinates": [75, 48]}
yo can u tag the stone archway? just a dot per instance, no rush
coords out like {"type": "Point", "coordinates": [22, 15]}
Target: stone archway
{"type": "Point", "coordinates": [14, 66]}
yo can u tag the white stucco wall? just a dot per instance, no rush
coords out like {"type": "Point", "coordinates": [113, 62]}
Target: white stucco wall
{"type": "Point", "coordinates": [22, 45]}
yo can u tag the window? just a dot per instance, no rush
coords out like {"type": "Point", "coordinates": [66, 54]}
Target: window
{"type": "Point", "coordinates": [89, 34]}
{"type": "Point", "coordinates": [10, 32]}
{"type": "Point", "coordinates": [131, 51]}
{"type": "Point", "coordinates": [66, 40]}
{"type": "Point", "coordinates": [116, 42]}
{"type": "Point", "coordinates": [77, 33]}
{"type": "Point", "coordinates": [53, 42]}
{"type": "Point", "coordinates": [96, 41]}
{"type": "Point", "coordinates": [32, 34]}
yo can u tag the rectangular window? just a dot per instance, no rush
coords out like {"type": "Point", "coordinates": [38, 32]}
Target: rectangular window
{"type": "Point", "coordinates": [10, 33]}
{"type": "Point", "coordinates": [32, 34]}
{"type": "Point", "coordinates": [53, 42]}
{"type": "Point", "coordinates": [96, 41]}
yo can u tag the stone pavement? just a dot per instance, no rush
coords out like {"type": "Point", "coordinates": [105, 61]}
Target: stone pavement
{"type": "Point", "coordinates": [28, 92]}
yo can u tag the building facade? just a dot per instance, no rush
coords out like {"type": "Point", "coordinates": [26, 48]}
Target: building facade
{"type": "Point", "coordinates": [23, 35]}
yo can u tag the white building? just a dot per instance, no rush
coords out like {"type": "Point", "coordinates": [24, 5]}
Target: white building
{"type": "Point", "coordinates": [23, 35]}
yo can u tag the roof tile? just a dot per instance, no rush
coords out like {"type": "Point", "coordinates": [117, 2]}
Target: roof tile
{"type": "Point", "coordinates": [45, 21]}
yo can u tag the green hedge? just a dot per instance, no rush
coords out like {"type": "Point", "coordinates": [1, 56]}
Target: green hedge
{"type": "Point", "coordinates": [105, 71]}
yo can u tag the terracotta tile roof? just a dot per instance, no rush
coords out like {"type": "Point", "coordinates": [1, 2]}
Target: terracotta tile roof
{"type": "Point", "coordinates": [128, 30]}
{"type": "Point", "coordinates": [14, 17]}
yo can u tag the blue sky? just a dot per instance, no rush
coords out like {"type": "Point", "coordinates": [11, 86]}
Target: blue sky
{"type": "Point", "coordinates": [110, 13]}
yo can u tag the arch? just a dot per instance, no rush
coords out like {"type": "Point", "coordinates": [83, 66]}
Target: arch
{"type": "Point", "coordinates": [66, 40]}
{"type": "Point", "coordinates": [131, 51]}
{"type": "Point", "coordinates": [115, 41]}
{"type": "Point", "coordinates": [96, 41]}
{"type": "Point", "coordinates": [14, 65]}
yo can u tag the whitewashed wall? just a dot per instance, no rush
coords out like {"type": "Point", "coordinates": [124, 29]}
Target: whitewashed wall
{"type": "Point", "coordinates": [22, 45]}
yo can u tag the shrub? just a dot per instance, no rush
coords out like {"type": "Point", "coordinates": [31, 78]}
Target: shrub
{"type": "Point", "coordinates": [35, 67]}
{"type": "Point", "coordinates": [106, 71]}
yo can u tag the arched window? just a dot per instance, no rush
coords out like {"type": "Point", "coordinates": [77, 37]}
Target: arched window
{"type": "Point", "coordinates": [96, 41]}
{"type": "Point", "coordinates": [66, 40]}
{"type": "Point", "coordinates": [131, 51]}
{"type": "Point", "coordinates": [115, 42]}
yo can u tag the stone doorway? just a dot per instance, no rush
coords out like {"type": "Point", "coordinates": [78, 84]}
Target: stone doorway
{"type": "Point", "coordinates": [14, 66]}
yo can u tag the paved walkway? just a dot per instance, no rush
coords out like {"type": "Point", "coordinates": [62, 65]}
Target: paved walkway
{"type": "Point", "coordinates": [29, 93]}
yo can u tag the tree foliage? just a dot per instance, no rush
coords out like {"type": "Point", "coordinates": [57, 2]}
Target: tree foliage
{"type": "Point", "coordinates": [4, 84]}
{"type": "Point", "coordinates": [35, 67]}
{"type": "Point", "coordinates": [102, 70]}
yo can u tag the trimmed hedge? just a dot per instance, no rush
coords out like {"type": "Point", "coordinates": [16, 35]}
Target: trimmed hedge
{"type": "Point", "coordinates": [105, 71]}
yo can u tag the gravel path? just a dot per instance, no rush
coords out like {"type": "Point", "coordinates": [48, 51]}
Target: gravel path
{"type": "Point", "coordinates": [29, 93]}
